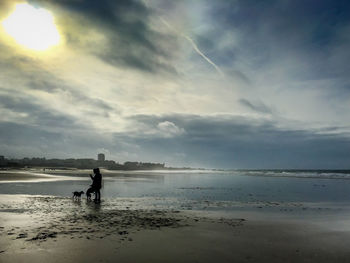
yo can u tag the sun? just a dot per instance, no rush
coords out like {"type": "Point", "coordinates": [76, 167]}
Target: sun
{"type": "Point", "coordinates": [31, 27]}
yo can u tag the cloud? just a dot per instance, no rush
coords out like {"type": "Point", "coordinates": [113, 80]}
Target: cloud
{"type": "Point", "coordinates": [27, 81]}
{"type": "Point", "coordinates": [219, 142]}
{"type": "Point", "coordinates": [237, 142]}
{"type": "Point", "coordinates": [277, 31]}
{"type": "Point", "coordinates": [51, 84]}
{"type": "Point", "coordinates": [231, 142]}
{"type": "Point", "coordinates": [118, 32]}
{"type": "Point", "coordinates": [169, 129]}
{"type": "Point", "coordinates": [258, 107]}
{"type": "Point", "coordinates": [24, 109]}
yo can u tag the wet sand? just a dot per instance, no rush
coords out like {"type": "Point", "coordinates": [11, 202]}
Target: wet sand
{"type": "Point", "coordinates": [58, 229]}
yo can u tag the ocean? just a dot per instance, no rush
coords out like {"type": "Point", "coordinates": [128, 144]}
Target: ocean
{"type": "Point", "coordinates": [201, 187]}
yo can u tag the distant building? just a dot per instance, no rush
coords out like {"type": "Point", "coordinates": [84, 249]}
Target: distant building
{"type": "Point", "coordinates": [2, 160]}
{"type": "Point", "coordinates": [101, 157]}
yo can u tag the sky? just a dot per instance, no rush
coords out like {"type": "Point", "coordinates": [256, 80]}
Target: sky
{"type": "Point", "coordinates": [200, 83]}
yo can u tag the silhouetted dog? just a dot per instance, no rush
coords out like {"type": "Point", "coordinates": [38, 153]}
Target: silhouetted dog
{"type": "Point", "coordinates": [77, 195]}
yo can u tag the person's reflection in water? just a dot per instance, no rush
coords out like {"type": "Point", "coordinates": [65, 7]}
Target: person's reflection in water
{"type": "Point", "coordinates": [94, 207]}
{"type": "Point", "coordinates": [96, 185]}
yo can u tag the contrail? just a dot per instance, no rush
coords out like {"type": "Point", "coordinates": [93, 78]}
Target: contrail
{"type": "Point", "coordinates": [195, 47]}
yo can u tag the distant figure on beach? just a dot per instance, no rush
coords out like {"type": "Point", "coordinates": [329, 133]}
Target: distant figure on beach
{"type": "Point", "coordinates": [96, 185]}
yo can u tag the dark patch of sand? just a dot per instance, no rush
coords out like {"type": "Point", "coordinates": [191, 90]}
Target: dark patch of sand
{"type": "Point", "coordinates": [55, 216]}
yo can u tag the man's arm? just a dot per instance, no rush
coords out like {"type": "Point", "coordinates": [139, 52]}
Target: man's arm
{"type": "Point", "coordinates": [91, 176]}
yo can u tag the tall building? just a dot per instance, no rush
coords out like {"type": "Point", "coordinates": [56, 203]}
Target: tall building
{"type": "Point", "coordinates": [101, 157]}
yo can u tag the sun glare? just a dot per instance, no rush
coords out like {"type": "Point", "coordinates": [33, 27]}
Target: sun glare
{"type": "Point", "coordinates": [32, 27]}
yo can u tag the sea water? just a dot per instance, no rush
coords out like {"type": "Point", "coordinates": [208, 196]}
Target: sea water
{"type": "Point", "coordinates": [233, 186]}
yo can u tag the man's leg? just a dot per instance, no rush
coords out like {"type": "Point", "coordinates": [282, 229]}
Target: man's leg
{"type": "Point", "coordinates": [88, 193]}
{"type": "Point", "coordinates": [99, 195]}
{"type": "Point", "coordinates": [95, 193]}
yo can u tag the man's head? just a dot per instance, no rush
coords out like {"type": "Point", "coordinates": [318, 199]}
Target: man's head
{"type": "Point", "coordinates": [96, 170]}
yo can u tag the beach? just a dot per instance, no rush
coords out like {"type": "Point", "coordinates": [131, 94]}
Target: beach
{"type": "Point", "coordinates": [55, 228]}
{"type": "Point", "coordinates": [155, 131]}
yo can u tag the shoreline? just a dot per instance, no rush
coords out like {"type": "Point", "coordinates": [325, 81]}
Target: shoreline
{"type": "Point", "coordinates": [24, 176]}
{"type": "Point", "coordinates": [30, 174]}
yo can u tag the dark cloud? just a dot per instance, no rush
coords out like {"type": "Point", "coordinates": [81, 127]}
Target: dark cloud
{"type": "Point", "coordinates": [258, 107]}
{"type": "Point", "coordinates": [131, 42]}
{"type": "Point", "coordinates": [220, 142]}
{"type": "Point", "coordinates": [51, 84]}
{"type": "Point", "coordinates": [232, 142]}
{"type": "Point", "coordinates": [306, 37]}
{"type": "Point", "coordinates": [36, 114]}
{"type": "Point", "coordinates": [23, 72]}
{"type": "Point", "coordinates": [22, 135]}
{"type": "Point", "coordinates": [26, 140]}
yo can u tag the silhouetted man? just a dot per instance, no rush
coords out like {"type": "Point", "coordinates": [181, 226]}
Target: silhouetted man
{"type": "Point", "coordinates": [96, 185]}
